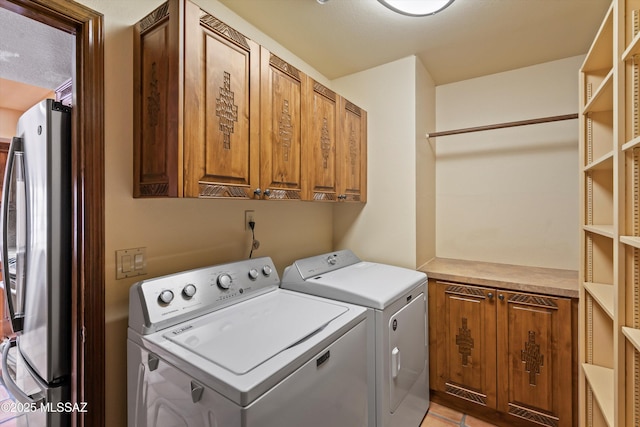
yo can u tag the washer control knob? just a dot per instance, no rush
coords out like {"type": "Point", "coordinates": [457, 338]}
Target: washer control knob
{"type": "Point", "coordinates": [224, 281]}
{"type": "Point", "coordinates": [253, 274]}
{"type": "Point", "coordinates": [165, 297]}
{"type": "Point", "coordinates": [189, 290]}
{"type": "Point", "coordinates": [267, 270]}
{"type": "Point", "coordinates": [332, 260]}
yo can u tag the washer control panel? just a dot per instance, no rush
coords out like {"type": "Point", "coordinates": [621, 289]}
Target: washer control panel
{"type": "Point", "coordinates": [322, 264]}
{"type": "Point", "coordinates": [164, 301]}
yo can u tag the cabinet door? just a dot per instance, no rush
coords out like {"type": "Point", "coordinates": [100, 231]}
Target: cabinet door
{"type": "Point", "coordinates": [221, 101]}
{"type": "Point", "coordinates": [156, 103]}
{"type": "Point", "coordinates": [319, 136]}
{"type": "Point", "coordinates": [534, 358]}
{"type": "Point", "coordinates": [352, 152]}
{"type": "Point", "coordinates": [280, 127]}
{"type": "Point", "coordinates": [466, 343]}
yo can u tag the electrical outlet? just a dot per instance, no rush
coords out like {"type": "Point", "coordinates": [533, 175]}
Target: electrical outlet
{"type": "Point", "coordinates": [249, 216]}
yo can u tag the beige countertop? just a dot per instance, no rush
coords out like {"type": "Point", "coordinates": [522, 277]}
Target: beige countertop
{"type": "Point", "coordinates": [549, 281]}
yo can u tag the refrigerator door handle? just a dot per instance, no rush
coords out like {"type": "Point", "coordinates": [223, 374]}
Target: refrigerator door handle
{"type": "Point", "coordinates": [21, 233]}
{"type": "Point", "coordinates": [15, 293]}
{"type": "Point", "coordinates": [10, 383]}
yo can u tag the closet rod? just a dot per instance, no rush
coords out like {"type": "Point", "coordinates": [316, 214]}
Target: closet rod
{"type": "Point", "coordinates": [504, 125]}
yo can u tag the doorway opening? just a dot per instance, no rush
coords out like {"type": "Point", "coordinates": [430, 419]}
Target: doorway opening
{"type": "Point", "coordinates": [87, 305]}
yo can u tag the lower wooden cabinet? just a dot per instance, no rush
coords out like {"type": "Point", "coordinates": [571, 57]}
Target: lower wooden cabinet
{"type": "Point", "coordinates": [505, 355]}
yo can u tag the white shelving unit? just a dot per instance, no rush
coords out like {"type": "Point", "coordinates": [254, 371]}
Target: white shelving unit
{"type": "Point", "coordinates": [609, 385]}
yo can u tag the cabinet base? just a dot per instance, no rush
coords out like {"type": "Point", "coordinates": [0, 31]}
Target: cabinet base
{"type": "Point", "coordinates": [489, 415]}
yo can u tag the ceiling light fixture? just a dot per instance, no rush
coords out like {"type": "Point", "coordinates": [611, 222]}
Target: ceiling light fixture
{"type": "Point", "coordinates": [416, 7]}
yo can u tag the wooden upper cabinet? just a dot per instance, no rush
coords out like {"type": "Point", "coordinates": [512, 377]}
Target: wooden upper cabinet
{"type": "Point", "coordinates": [220, 109]}
{"type": "Point", "coordinates": [156, 103]}
{"type": "Point", "coordinates": [282, 89]}
{"type": "Point", "coordinates": [320, 135]}
{"type": "Point", "coordinates": [196, 117]}
{"type": "Point", "coordinates": [217, 115]}
{"type": "Point", "coordinates": [351, 152]}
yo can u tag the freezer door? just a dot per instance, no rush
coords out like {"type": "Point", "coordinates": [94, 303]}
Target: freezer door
{"type": "Point", "coordinates": [14, 233]}
{"type": "Point", "coordinates": [46, 402]}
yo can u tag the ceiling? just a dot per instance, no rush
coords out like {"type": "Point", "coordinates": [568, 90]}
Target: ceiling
{"type": "Point", "coordinates": [34, 60]}
{"type": "Point", "coordinates": [468, 39]}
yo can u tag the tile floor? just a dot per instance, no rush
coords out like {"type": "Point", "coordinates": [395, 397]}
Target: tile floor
{"type": "Point", "coordinates": [440, 416]}
{"type": "Point", "coordinates": [7, 419]}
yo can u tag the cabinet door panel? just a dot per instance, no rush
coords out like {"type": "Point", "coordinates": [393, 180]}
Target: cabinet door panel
{"type": "Point", "coordinates": [319, 143]}
{"type": "Point", "coordinates": [156, 103]}
{"type": "Point", "coordinates": [352, 152]}
{"type": "Point", "coordinates": [221, 77]}
{"type": "Point", "coordinates": [281, 137]}
{"type": "Point", "coordinates": [534, 358]}
{"type": "Point", "coordinates": [466, 359]}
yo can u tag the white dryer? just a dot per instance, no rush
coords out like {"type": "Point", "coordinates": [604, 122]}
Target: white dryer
{"type": "Point", "coordinates": [225, 346]}
{"type": "Point", "coordinates": [397, 333]}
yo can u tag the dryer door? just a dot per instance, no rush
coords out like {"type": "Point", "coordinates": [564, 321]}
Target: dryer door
{"type": "Point", "coordinates": [407, 347]}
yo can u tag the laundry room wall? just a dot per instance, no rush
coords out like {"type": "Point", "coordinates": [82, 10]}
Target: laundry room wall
{"type": "Point", "coordinates": [397, 225]}
{"type": "Point", "coordinates": [179, 234]}
{"type": "Point", "coordinates": [509, 195]}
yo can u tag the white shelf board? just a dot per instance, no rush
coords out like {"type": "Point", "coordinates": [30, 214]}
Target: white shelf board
{"type": "Point", "coordinates": [601, 381]}
{"type": "Point", "coordinates": [602, 99]}
{"type": "Point", "coordinates": [629, 145]}
{"type": "Point", "coordinates": [633, 335]}
{"type": "Point", "coordinates": [602, 162]}
{"type": "Point", "coordinates": [631, 241]}
{"type": "Point", "coordinates": [633, 49]}
{"type": "Point", "coordinates": [600, 54]}
{"type": "Point", "coordinates": [603, 294]}
{"type": "Point", "coordinates": [605, 230]}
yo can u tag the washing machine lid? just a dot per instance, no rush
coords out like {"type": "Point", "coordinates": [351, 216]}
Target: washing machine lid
{"type": "Point", "coordinates": [365, 283]}
{"type": "Point", "coordinates": [247, 334]}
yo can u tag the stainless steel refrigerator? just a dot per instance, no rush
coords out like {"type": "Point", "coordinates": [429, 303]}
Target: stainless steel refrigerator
{"type": "Point", "coordinates": [36, 265]}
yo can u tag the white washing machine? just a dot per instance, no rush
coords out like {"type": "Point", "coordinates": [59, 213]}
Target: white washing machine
{"type": "Point", "coordinates": [397, 333]}
{"type": "Point", "coordinates": [225, 346]}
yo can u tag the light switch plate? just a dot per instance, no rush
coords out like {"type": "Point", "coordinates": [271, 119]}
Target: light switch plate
{"type": "Point", "coordinates": [131, 262]}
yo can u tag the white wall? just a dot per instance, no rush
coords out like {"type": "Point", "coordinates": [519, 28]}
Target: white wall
{"type": "Point", "coordinates": [510, 195]}
{"type": "Point", "coordinates": [385, 228]}
{"type": "Point", "coordinates": [425, 167]}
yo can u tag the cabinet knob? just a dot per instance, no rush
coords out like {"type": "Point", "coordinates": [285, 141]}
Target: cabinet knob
{"type": "Point", "coordinates": [501, 297]}
{"type": "Point", "coordinates": [490, 295]}
{"type": "Point", "coordinates": [257, 192]}
{"type": "Point", "coordinates": [342, 196]}
{"type": "Point", "coordinates": [267, 192]}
